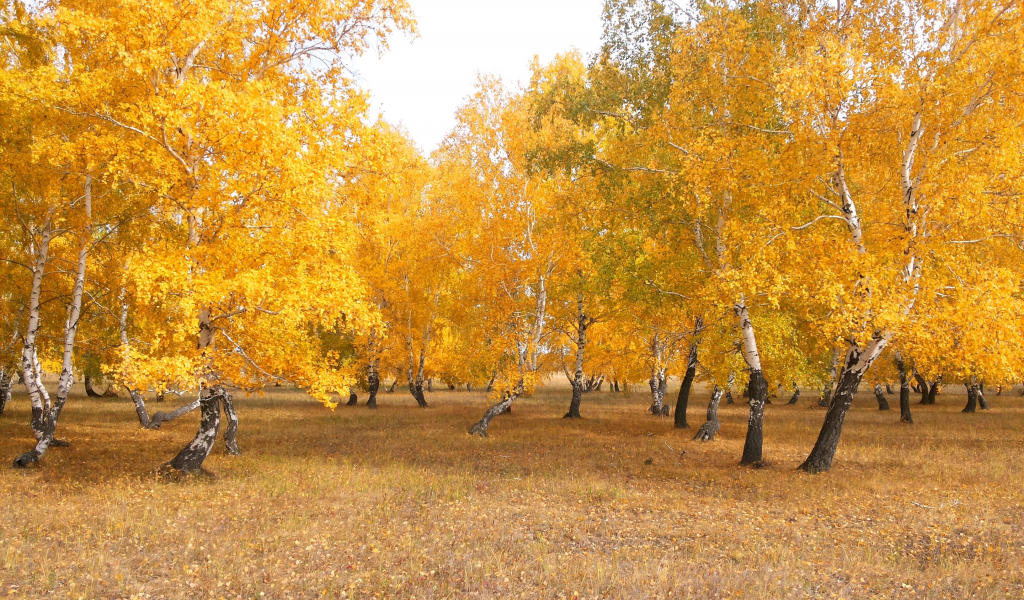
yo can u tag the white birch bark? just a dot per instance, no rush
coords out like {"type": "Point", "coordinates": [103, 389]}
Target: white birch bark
{"type": "Point", "coordinates": [29, 355]}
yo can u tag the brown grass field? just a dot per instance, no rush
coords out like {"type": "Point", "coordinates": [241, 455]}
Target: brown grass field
{"type": "Point", "coordinates": [401, 503]}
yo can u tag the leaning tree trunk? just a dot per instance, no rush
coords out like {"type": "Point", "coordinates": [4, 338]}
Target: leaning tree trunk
{"type": "Point", "coordinates": [905, 416]}
{"type": "Point", "coordinates": [728, 388]}
{"type": "Point", "coordinates": [707, 431]}
{"type": "Point", "coordinates": [160, 417]}
{"type": "Point", "coordinates": [353, 399]}
{"type": "Point", "coordinates": [981, 398]}
{"type": "Point", "coordinates": [480, 428]}
{"type": "Point", "coordinates": [191, 457]}
{"type": "Point", "coordinates": [857, 364]}
{"type": "Point", "coordinates": [883, 404]}
{"type": "Point", "coordinates": [89, 391]}
{"type": "Point", "coordinates": [796, 395]}
{"type": "Point", "coordinates": [683, 401]}
{"type": "Point", "coordinates": [140, 407]}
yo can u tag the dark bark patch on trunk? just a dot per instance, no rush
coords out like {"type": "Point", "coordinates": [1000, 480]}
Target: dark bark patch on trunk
{"type": "Point", "coordinates": [796, 396]}
{"type": "Point", "coordinates": [752, 446]}
{"type": "Point", "coordinates": [353, 399]}
{"type": "Point", "coordinates": [190, 459]}
{"type": "Point", "coordinates": [683, 400]}
{"type": "Point", "coordinates": [905, 416]}
{"type": "Point", "coordinates": [89, 391]}
{"type": "Point", "coordinates": [824, 451]}
{"type": "Point", "coordinates": [574, 404]}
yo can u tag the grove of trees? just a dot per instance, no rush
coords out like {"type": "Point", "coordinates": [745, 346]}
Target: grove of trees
{"type": "Point", "coordinates": [760, 196]}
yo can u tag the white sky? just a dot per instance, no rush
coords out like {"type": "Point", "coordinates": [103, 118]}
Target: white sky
{"type": "Point", "coordinates": [420, 83]}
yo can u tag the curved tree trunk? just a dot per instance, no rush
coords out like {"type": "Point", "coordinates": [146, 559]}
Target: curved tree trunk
{"type": "Point", "coordinates": [160, 418]}
{"type": "Point", "coordinates": [905, 416]}
{"type": "Point", "coordinates": [883, 404]}
{"type": "Point", "coordinates": [972, 397]}
{"type": "Point", "coordinates": [480, 427]}
{"type": "Point", "coordinates": [683, 400]}
{"type": "Point", "coordinates": [981, 398]}
{"type": "Point", "coordinates": [857, 364]}
{"type": "Point", "coordinates": [353, 399]}
{"type": "Point", "coordinates": [728, 388]}
{"type": "Point", "coordinates": [707, 431]}
{"type": "Point", "coordinates": [190, 458]}
{"type": "Point", "coordinates": [934, 390]}
{"type": "Point", "coordinates": [796, 395]}
{"type": "Point", "coordinates": [140, 407]}
{"type": "Point", "coordinates": [89, 391]}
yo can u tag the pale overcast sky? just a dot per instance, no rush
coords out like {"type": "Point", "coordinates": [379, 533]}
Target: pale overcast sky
{"type": "Point", "coordinates": [421, 83]}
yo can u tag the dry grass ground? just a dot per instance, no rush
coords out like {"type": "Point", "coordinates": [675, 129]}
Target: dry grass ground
{"type": "Point", "coordinates": [401, 503]}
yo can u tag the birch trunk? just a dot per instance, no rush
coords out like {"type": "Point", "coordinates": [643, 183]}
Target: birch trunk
{"type": "Point", "coordinates": [972, 397]}
{"type": "Point", "coordinates": [857, 364]}
{"type": "Point", "coordinates": [707, 431]}
{"type": "Point", "coordinates": [231, 432]}
{"type": "Point", "coordinates": [89, 391]}
{"type": "Point", "coordinates": [883, 404]}
{"type": "Point", "coordinates": [581, 344]}
{"type": "Point", "coordinates": [905, 416]}
{"type": "Point", "coordinates": [757, 388]}
{"type": "Point", "coordinates": [683, 400]}
{"type": "Point", "coordinates": [934, 390]}
{"type": "Point", "coordinates": [190, 459]}
{"type": "Point", "coordinates": [30, 371]}
{"type": "Point", "coordinates": [922, 387]}
{"type": "Point", "coordinates": [796, 395]}
{"type": "Point", "coordinates": [373, 381]}
{"type": "Point", "coordinates": [51, 413]}
{"type": "Point", "coordinates": [6, 382]}
{"type": "Point", "coordinates": [163, 417]}
{"type": "Point", "coordinates": [480, 428]}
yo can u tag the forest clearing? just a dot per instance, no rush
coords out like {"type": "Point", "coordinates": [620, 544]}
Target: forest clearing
{"type": "Point", "coordinates": [399, 502]}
